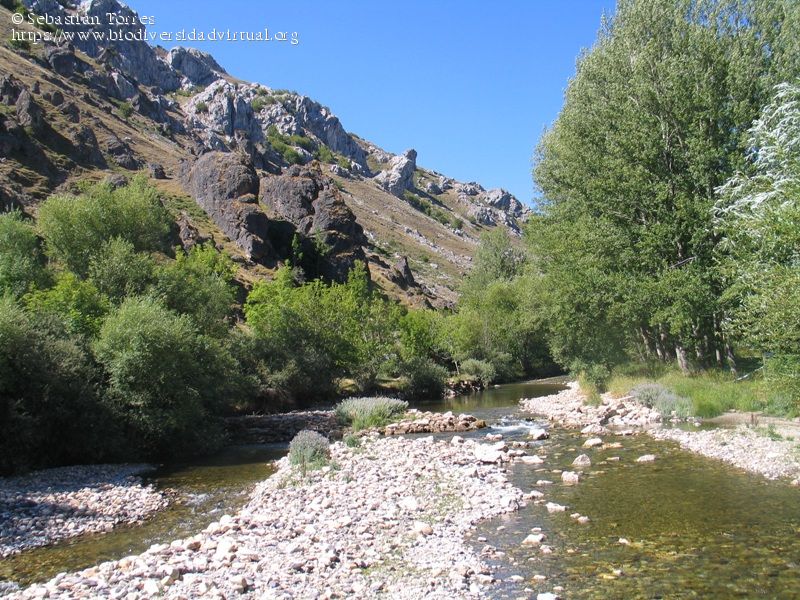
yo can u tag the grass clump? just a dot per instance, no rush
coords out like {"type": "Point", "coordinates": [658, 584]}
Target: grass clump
{"type": "Point", "coordinates": [654, 395]}
{"type": "Point", "coordinates": [363, 413]}
{"type": "Point", "coordinates": [352, 441]}
{"type": "Point", "coordinates": [125, 110]}
{"type": "Point", "coordinates": [711, 393]}
{"type": "Point", "coordinates": [309, 450]}
{"type": "Point", "coordinates": [201, 107]}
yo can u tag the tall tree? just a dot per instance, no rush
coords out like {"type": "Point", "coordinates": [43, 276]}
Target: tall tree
{"type": "Point", "coordinates": [654, 120]}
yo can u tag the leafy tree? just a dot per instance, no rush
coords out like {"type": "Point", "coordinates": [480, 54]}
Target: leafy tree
{"type": "Point", "coordinates": [21, 264]}
{"type": "Point", "coordinates": [78, 304]}
{"type": "Point", "coordinates": [198, 284]}
{"type": "Point", "coordinates": [119, 271]}
{"type": "Point", "coordinates": [166, 381]}
{"type": "Point", "coordinates": [75, 227]}
{"type": "Point", "coordinates": [758, 215]}
{"type": "Point", "coordinates": [50, 413]}
{"type": "Point", "coordinates": [653, 121]}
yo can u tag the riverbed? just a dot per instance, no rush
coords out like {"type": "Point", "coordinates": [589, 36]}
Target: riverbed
{"type": "Point", "coordinates": [681, 526]}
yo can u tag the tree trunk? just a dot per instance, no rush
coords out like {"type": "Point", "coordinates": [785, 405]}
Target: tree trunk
{"type": "Point", "coordinates": [683, 362]}
{"type": "Point", "coordinates": [731, 358]}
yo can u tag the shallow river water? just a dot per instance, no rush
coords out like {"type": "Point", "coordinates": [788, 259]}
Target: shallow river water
{"type": "Point", "coordinates": [697, 528]}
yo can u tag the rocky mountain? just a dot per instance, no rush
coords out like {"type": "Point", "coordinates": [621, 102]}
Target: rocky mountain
{"type": "Point", "coordinates": [266, 174]}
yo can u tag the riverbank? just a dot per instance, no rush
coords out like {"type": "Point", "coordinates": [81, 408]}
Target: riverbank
{"type": "Point", "coordinates": [46, 506]}
{"type": "Point", "coordinates": [388, 517]}
{"type": "Point", "coordinates": [740, 446]}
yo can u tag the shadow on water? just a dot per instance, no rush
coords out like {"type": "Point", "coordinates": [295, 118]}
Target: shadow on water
{"type": "Point", "coordinates": [204, 489]}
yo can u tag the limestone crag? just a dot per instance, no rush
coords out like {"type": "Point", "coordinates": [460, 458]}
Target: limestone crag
{"type": "Point", "coordinates": [226, 185]}
{"type": "Point", "coordinates": [399, 177]}
{"type": "Point", "coordinates": [311, 202]}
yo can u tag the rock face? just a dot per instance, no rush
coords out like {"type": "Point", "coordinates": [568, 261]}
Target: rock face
{"type": "Point", "coordinates": [197, 68]}
{"type": "Point", "coordinates": [493, 207]}
{"type": "Point", "coordinates": [226, 186]}
{"type": "Point", "coordinates": [310, 201]}
{"type": "Point", "coordinates": [401, 274]}
{"type": "Point", "coordinates": [400, 175]}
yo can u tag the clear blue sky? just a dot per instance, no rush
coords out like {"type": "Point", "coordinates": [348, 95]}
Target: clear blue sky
{"type": "Point", "coordinates": [470, 85]}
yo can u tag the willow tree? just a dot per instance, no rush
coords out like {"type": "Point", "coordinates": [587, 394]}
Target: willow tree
{"type": "Point", "coordinates": [654, 120]}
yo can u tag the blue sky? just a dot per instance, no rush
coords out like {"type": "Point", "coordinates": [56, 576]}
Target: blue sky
{"type": "Point", "coordinates": [470, 85]}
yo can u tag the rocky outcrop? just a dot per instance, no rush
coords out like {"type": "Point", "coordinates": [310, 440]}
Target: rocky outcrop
{"type": "Point", "coordinates": [133, 56]}
{"type": "Point", "coordinates": [226, 185]}
{"type": "Point", "coordinates": [318, 120]}
{"type": "Point", "coordinates": [493, 207]}
{"type": "Point", "coordinates": [400, 274]}
{"type": "Point", "coordinates": [400, 175]}
{"type": "Point", "coordinates": [196, 67]}
{"type": "Point", "coordinates": [310, 201]}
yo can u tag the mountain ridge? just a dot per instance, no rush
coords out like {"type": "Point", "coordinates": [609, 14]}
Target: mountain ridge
{"type": "Point", "coordinates": [93, 109]}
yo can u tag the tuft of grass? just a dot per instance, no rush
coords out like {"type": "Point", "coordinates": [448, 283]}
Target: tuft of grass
{"type": "Point", "coordinates": [309, 450]}
{"type": "Point", "coordinates": [352, 441]}
{"type": "Point", "coordinates": [201, 107]}
{"type": "Point", "coordinates": [363, 413]}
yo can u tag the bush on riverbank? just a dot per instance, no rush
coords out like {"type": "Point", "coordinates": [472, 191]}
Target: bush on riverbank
{"type": "Point", "coordinates": [654, 395]}
{"type": "Point", "coordinates": [309, 450]}
{"type": "Point", "coordinates": [363, 413]}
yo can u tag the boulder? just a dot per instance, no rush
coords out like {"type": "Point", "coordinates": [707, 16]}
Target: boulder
{"type": "Point", "coordinates": [121, 153]}
{"type": "Point", "coordinates": [62, 60]}
{"type": "Point", "coordinates": [188, 233]}
{"type": "Point", "coordinates": [311, 202]}
{"type": "Point", "coordinates": [225, 185]}
{"type": "Point", "coordinates": [570, 477]}
{"type": "Point", "coordinates": [156, 170]}
{"type": "Point", "coordinates": [10, 89]}
{"type": "Point", "coordinates": [401, 275]}
{"type": "Point", "coordinates": [488, 454]}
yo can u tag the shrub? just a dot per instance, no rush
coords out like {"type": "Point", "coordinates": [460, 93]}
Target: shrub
{"type": "Point", "coordinates": [19, 44]}
{"type": "Point", "coordinates": [257, 104]}
{"type": "Point", "coordinates": [167, 382]}
{"type": "Point", "coordinates": [363, 413]}
{"type": "Point", "coordinates": [201, 107]}
{"type": "Point", "coordinates": [324, 154]}
{"type": "Point", "coordinates": [352, 441]}
{"type": "Point", "coordinates": [480, 369]}
{"type": "Point", "coordinates": [654, 395]}
{"type": "Point", "coordinates": [119, 271]}
{"type": "Point", "coordinates": [21, 264]}
{"type": "Point", "coordinates": [77, 303]}
{"type": "Point", "coordinates": [75, 227]}
{"type": "Point", "coordinates": [424, 378]}
{"type": "Point", "coordinates": [125, 110]}
{"type": "Point", "coordinates": [49, 408]}
{"type": "Point", "coordinates": [782, 371]}
{"type": "Point", "coordinates": [309, 450]}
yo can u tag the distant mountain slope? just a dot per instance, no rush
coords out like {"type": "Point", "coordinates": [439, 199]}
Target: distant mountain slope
{"type": "Point", "coordinates": [276, 174]}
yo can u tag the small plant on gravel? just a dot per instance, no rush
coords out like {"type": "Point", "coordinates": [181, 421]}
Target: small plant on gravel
{"type": "Point", "coordinates": [362, 413]}
{"type": "Point", "coordinates": [352, 441]}
{"type": "Point", "coordinates": [654, 395]}
{"type": "Point", "coordinates": [201, 107]}
{"type": "Point", "coordinates": [309, 450]}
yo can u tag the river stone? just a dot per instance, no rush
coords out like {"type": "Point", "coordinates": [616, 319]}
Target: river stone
{"type": "Point", "coordinates": [570, 477]}
{"type": "Point", "coordinates": [530, 459]}
{"type": "Point", "coordinates": [592, 443]}
{"type": "Point", "coordinates": [487, 454]}
{"type": "Point", "coordinates": [538, 434]}
{"type": "Point", "coordinates": [534, 539]}
{"type": "Point", "coordinates": [646, 458]}
{"type": "Point", "coordinates": [552, 507]}
{"type": "Point", "coordinates": [582, 461]}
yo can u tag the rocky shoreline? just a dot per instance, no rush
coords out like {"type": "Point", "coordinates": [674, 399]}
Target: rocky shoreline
{"type": "Point", "coordinates": [54, 504]}
{"type": "Point", "coordinates": [740, 446]}
{"type": "Point", "coordinates": [387, 517]}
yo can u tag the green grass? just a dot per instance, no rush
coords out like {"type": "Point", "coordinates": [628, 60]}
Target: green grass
{"type": "Point", "coordinates": [364, 413]}
{"type": "Point", "coordinates": [712, 392]}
